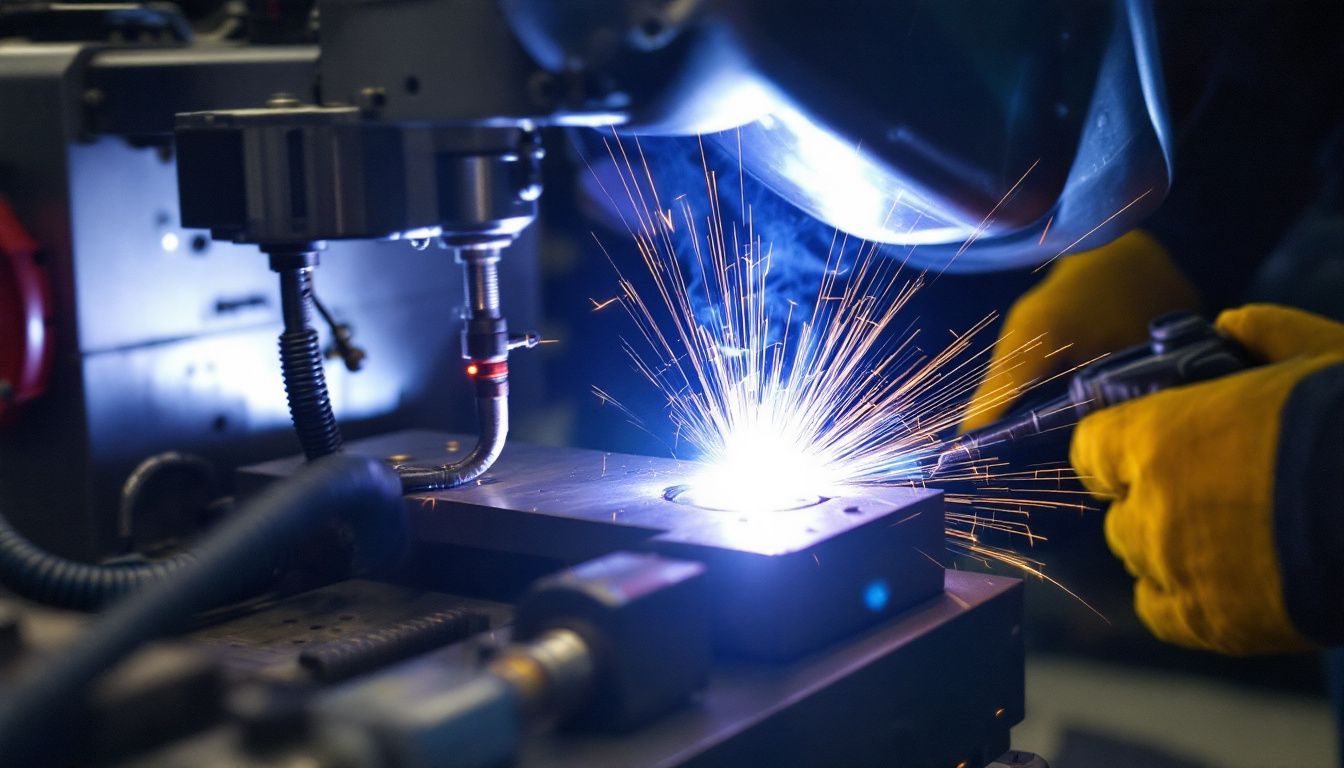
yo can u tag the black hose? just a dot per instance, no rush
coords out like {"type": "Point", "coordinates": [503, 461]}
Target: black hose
{"type": "Point", "coordinates": [47, 578]}
{"type": "Point", "coordinates": [302, 368]}
{"type": "Point", "coordinates": [39, 706]}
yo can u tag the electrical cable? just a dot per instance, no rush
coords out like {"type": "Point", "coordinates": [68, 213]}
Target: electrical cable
{"type": "Point", "coordinates": [342, 338]}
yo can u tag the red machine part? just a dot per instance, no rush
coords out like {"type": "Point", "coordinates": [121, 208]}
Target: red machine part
{"type": "Point", "coordinates": [26, 344]}
{"type": "Point", "coordinates": [477, 369]}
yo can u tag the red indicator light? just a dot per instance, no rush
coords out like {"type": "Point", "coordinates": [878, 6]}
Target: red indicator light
{"type": "Point", "coordinates": [472, 369]}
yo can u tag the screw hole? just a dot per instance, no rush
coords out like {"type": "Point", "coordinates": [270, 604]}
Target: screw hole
{"type": "Point", "coordinates": [220, 423]}
{"type": "Point", "coordinates": [412, 84]}
{"type": "Point", "coordinates": [200, 244]}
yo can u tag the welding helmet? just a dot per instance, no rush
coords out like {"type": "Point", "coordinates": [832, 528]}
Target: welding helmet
{"type": "Point", "coordinates": [987, 135]}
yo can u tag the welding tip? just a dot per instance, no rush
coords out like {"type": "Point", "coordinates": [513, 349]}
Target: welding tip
{"type": "Point", "coordinates": [1059, 413]}
{"type": "Point", "coordinates": [962, 451]}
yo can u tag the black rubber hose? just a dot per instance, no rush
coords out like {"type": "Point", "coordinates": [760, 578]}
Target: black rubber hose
{"type": "Point", "coordinates": [46, 578]}
{"type": "Point", "coordinates": [36, 712]}
{"type": "Point", "coordinates": [302, 368]}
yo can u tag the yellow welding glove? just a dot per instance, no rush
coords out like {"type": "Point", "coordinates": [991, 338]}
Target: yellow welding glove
{"type": "Point", "coordinates": [1191, 473]}
{"type": "Point", "coordinates": [1089, 304]}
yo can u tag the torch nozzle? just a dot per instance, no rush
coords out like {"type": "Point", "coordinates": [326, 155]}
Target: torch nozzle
{"type": "Point", "coordinates": [970, 447]}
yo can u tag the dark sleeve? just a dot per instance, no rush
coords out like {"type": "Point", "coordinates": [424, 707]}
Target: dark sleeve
{"type": "Point", "coordinates": [1249, 131]}
{"type": "Point", "coordinates": [1309, 505]}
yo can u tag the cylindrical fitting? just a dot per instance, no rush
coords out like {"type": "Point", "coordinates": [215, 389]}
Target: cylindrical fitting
{"type": "Point", "coordinates": [296, 298]}
{"type": "Point", "coordinates": [481, 266]}
{"type": "Point", "coordinates": [552, 674]}
{"type": "Point", "coordinates": [485, 340]}
{"type": "Point", "coordinates": [485, 333]}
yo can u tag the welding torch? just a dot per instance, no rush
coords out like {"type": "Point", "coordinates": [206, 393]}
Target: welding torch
{"type": "Point", "coordinates": [1182, 348]}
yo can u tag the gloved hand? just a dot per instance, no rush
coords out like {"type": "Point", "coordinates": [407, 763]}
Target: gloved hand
{"type": "Point", "coordinates": [1089, 304]}
{"type": "Point", "coordinates": [1191, 475]}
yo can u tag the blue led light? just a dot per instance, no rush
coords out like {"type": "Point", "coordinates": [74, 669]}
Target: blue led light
{"type": "Point", "coordinates": [876, 595]}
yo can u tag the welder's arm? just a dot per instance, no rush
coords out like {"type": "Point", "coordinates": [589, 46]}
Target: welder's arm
{"type": "Point", "coordinates": [1088, 304]}
{"type": "Point", "coordinates": [1227, 497]}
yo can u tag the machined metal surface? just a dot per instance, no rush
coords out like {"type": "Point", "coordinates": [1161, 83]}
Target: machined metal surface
{"type": "Point", "coordinates": [295, 173]}
{"type": "Point", "coordinates": [341, 626]}
{"type": "Point", "coordinates": [783, 582]}
{"type": "Point", "coordinates": [939, 686]}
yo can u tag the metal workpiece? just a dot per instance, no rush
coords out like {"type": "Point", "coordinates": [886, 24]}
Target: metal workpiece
{"type": "Point", "coordinates": [781, 583]}
{"type": "Point", "coordinates": [294, 172]}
